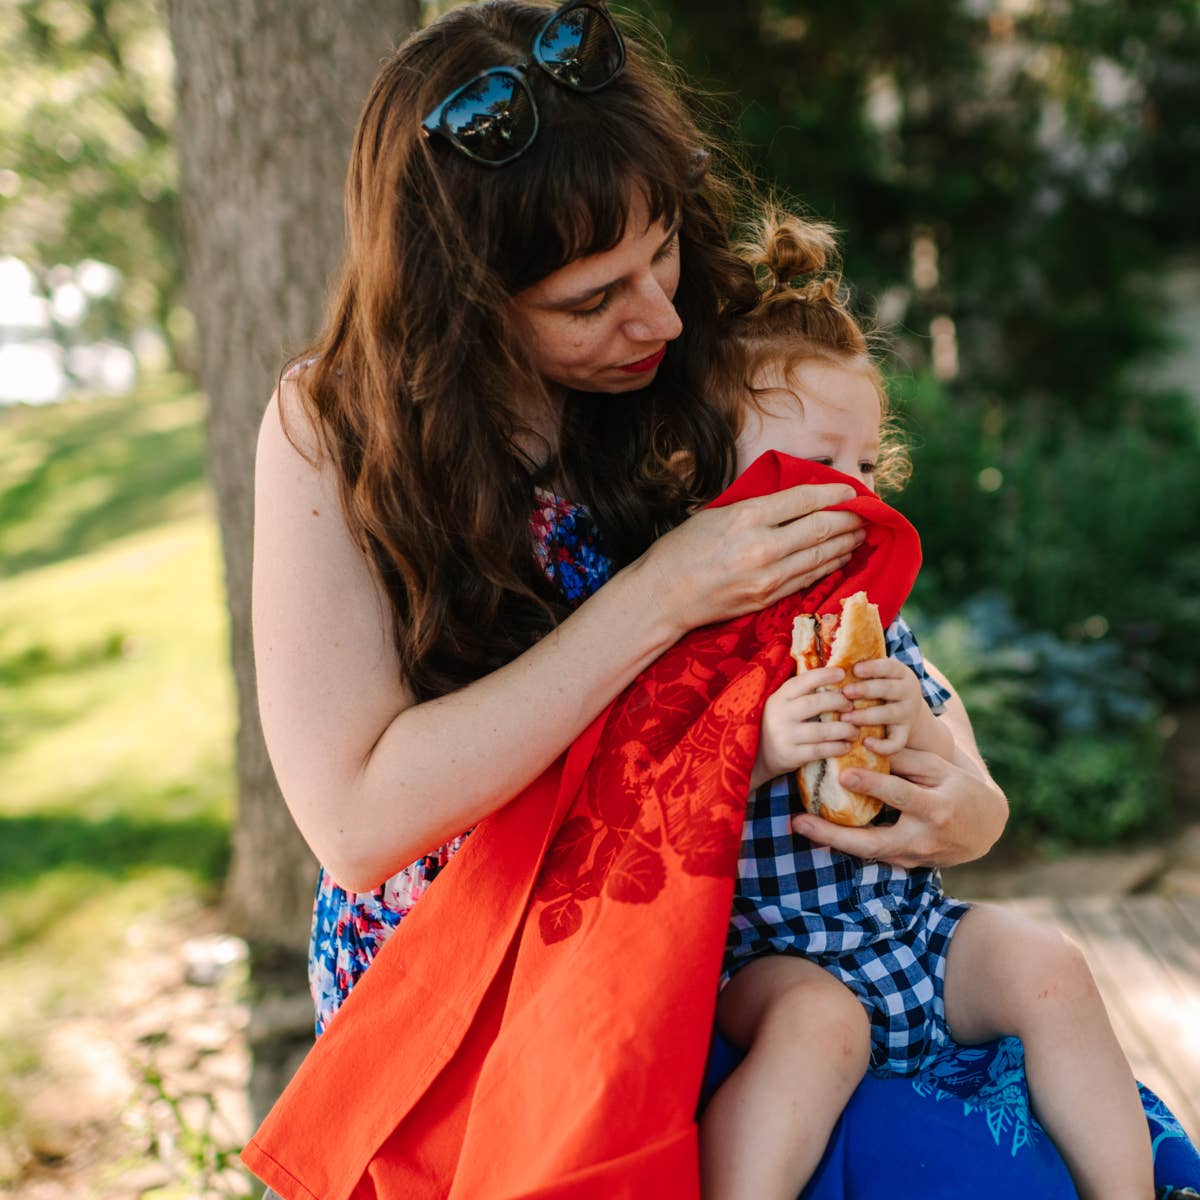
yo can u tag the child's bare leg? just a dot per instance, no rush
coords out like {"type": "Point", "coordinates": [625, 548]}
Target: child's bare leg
{"type": "Point", "coordinates": [1008, 975]}
{"type": "Point", "coordinates": [809, 1043]}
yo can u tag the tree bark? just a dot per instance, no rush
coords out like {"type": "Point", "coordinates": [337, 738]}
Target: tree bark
{"type": "Point", "coordinates": [268, 93]}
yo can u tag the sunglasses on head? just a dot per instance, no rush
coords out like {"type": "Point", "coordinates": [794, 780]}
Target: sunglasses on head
{"type": "Point", "coordinates": [493, 118]}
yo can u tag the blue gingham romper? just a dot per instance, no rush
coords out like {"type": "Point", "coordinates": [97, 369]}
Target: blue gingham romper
{"type": "Point", "coordinates": [884, 931]}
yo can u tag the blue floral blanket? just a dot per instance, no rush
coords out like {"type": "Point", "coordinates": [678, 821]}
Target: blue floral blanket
{"type": "Point", "coordinates": [963, 1127]}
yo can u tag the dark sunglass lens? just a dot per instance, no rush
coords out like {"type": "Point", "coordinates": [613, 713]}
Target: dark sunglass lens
{"type": "Point", "coordinates": [581, 49]}
{"type": "Point", "coordinates": [493, 118]}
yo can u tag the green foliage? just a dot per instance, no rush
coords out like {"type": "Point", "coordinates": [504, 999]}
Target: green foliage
{"type": "Point", "coordinates": [1086, 531]}
{"type": "Point", "coordinates": [88, 170]}
{"type": "Point", "coordinates": [75, 476]}
{"type": "Point", "coordinates": [195, 1143]}
{"type": "Point", "coordinates": [1068, 729]}
{"type": "Point", "coordinates": [1036, 159]}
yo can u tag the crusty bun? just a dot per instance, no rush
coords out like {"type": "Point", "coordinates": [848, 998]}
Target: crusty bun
{"type": "Point", "coordinates": [832, 641]}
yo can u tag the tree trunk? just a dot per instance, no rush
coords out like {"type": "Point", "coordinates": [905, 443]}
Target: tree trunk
{"type": "Point", "coordinates": [268, 93]}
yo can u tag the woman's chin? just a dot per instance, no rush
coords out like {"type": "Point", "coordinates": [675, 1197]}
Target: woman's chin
{"type": "Point", "coordinates": [615, 380]}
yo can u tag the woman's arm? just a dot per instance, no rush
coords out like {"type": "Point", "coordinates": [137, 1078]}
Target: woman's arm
{"type": "Point", "coordinates": [959, 723]}
{"type": "Point", "coordinates": [373, 779]}
{"type": "Point", "coordinates": [950, 812]}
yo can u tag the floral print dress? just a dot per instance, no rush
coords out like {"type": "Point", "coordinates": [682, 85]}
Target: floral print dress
{"type": "Point", "coordinates": [349, 927]}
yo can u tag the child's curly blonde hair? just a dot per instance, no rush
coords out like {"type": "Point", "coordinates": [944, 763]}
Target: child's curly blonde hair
{"type": "Point", "coordinates": [801, 315]}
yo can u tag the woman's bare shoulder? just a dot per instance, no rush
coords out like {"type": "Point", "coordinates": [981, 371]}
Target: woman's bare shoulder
{"type": "Point", "coordinates": [298, 499]}
{"type": "Point", "coordinates": [288, 421]}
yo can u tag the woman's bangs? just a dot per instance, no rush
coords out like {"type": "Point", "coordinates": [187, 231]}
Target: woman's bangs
{"type": "Point", "coordinates": [575, 201]}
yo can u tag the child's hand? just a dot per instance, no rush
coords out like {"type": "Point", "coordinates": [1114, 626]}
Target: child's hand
{"type": "Point", "coordinates": [791, 736]}
{"type": "Point", "coordinates": [902, 708]}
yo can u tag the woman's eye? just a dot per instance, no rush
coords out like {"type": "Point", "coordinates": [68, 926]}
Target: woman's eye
{"type": "Point", "coordinates": [822, 462]}
{"type": "Point", "coordinates": [669, 249]}
{"type": "Point", "coordinates": [867, 468]}
{"type": "Point", "coordinates": [600, 303]}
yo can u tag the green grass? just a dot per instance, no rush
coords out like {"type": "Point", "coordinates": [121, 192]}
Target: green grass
{"type": "Point", "coordinates": [116, 698]}
{"type": "Point", "coordinates": [77, 476]}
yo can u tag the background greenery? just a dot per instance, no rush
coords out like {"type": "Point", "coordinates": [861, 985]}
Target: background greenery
{"type": "Point", "coordinates": [116, 718]}
{"type": "Point", "coordinates": [1015, 181]}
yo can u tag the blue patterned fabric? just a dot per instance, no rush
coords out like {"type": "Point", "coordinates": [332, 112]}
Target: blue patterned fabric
{"type": "Point", "coordinates": [962, 1127]}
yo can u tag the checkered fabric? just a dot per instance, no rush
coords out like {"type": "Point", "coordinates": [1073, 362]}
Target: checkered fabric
{"type": "Point", "coordinates": [901, 643]}
{"type": "Point", "coordinates": [883, 930]}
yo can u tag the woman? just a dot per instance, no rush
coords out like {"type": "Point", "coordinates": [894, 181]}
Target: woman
{"type": "Point", "coordinates": [536, 257]}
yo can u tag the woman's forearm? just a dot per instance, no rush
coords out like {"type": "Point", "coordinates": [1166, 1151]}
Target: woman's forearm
{"type": "Point", "coordinates": [957, 721]}
{"type": "Point", "coordinates": [441, 766]}
{"type": "Point", "coordinates": [990, 804]}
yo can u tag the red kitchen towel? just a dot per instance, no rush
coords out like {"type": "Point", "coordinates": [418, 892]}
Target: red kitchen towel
{"type": "Point", "coordinates": [538, 1025]}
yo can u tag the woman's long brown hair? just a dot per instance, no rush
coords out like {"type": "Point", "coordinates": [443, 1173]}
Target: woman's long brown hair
{"type": "Point", "coordinates": [412, 381]}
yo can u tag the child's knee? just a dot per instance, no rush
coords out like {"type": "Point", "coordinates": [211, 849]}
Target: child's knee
{"type": "Point", "coordinates": [829, 1014]}
{"type": "Point", "coordinates": [1056, 976]}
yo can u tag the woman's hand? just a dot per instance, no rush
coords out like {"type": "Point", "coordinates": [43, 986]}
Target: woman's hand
{"type": "Point", "coordinates": [948, 814]}
{"type": "Point", "coordinates": [791, 736]}
{"type": "Point", "coordinates": [723, 562]}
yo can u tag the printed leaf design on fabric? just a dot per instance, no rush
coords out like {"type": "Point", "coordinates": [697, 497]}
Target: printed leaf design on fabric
{"type": "Point", "coordinates": [702, 826]}
{"type": "Point", "coordinates": [618, 806]}
{"type": "Point", "coordinates": [649, 791]}
{"type": "Point", "coordinates": [611, 848]}
{"type": "Point", "coordinates": [567, 857]}
{"type": "Point", "coordinates": [637, 875]}
{"type": "Point", "coordinates": [560, 919]}
{"type": "Point", "coordinates": [993, 1086]}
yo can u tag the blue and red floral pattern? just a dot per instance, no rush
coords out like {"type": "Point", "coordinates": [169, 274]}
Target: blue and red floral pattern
{"type": "Point", "coordinates": [349, 927]}
{"type": "Point", "coordinates": [567, 545]}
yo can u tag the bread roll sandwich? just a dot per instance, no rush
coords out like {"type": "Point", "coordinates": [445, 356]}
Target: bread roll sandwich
{"type": "Point", "coordinates": [833, 640]}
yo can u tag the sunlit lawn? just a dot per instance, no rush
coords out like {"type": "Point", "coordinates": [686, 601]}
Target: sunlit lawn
{"type": "Point", "coordinates": [116, 700]}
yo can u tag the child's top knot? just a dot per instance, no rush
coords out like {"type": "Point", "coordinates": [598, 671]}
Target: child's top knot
{"type": "Point", "coordinates": [789, 255]}
{"type": "Point", "coordinates": [799, 285]}
{"type": "Point", "coordinates": [800, 313]}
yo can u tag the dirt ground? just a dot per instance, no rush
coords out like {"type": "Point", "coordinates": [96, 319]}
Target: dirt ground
{"type": "Point", "coordinates": [147, 1096]}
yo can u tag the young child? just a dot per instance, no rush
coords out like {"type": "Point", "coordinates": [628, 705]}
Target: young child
{"type": "Point", "coordinates": [837, 965]}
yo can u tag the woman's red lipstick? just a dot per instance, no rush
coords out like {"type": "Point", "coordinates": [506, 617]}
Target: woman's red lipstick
{"type": "Point", "coordinates": [645, 364]}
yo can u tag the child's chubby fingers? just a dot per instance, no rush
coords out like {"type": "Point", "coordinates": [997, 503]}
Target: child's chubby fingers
{"type": "Point", "coordinates": [877, 689]}
{"type": "Point", "coordinates": [805, 710]}
{"type": "Point", "coordinates": [879, 668]}
{"type": "Point", "coordinates": [816, 751]}
{"type": "Point", "coordinates": [809, 695]}
{"type": "Point", "coordinates": [810, 681]}
{"type": "Point", "coordinates": [880, 714]}
{"type": "Point", "coordinates": [887, 746]}
{"type": "Point", "coordinates": [822, 733]}
{"type": "Point", "coordinates": [885, 680]}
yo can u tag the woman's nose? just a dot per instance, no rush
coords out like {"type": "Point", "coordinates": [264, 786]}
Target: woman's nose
{"type": "Point", "coordinates": [654, 318]}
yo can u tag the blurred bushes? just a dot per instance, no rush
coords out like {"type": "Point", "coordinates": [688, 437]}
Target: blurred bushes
{"type": "Point", "coordinates": [1088, 532]}
{"type": "Point", "coordinates": [1013, 183]}
{"type": "Point", "coordinates": [1018, 173]}
{"type": "Point", "coordinates": [1069, 729]}
{"type": "Point", "coordinates": [1061, 587]}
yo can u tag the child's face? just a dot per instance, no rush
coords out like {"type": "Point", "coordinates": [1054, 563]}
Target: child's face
{"type": "Point", "coordinates": [828, 414]}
